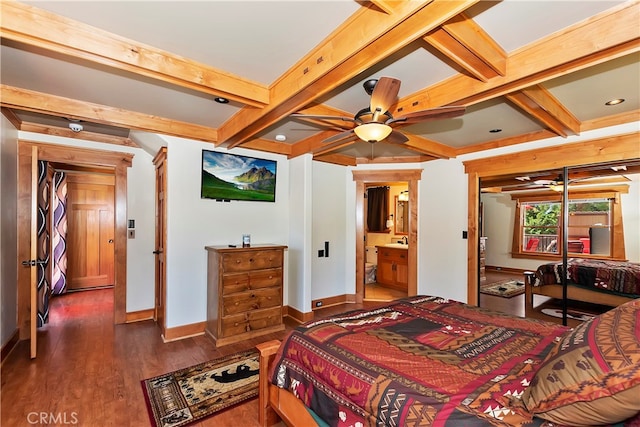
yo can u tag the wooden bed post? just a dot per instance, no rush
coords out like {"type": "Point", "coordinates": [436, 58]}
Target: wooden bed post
{"type": "Point", "coordinates": [529, 279]}
{"type": "Point", "coordinates": [266, 415]}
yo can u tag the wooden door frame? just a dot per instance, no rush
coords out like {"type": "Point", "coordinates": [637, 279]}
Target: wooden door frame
{"type": "Point", "coordinates": [118, 162]}
{"type": "Point", "coordinates": [601, 150]}
{"type": "Point", "coordinates": [411, 176]}
{"type": "Point", "coordinates": [161, 158]}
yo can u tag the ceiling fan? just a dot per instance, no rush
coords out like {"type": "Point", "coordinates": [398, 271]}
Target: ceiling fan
{"type": "Point", "coordinates": [374, 123]}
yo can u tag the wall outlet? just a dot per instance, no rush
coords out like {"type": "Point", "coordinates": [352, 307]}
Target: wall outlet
{"type": "Point", "coordinates": [321, 253]}
{"type": "Point", "coordinates": [464, 234]}
{"type": "Point", "coordinates": [131, 234]}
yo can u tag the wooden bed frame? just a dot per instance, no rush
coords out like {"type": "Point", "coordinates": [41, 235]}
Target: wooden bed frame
{"type": "Point", "coordinates": [576, 293]}
{"type": "Point", "coordinates": [276, 403]}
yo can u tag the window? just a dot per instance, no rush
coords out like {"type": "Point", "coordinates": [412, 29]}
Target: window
{"type": "Point", "coordinates": [594, 228]}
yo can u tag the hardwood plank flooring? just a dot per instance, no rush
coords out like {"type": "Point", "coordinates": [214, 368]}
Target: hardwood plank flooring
{"type": "Point", "coordinates": [88, 370]}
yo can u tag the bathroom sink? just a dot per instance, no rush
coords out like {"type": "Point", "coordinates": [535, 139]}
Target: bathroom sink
{"type": "Point", "coordinates": [397, 245]}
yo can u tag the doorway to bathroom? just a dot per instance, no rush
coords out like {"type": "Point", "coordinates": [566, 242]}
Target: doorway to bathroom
{"type": "Point", "coordinates": [397, 262]}
{"type": "Point", "coordinates": [386, 241]}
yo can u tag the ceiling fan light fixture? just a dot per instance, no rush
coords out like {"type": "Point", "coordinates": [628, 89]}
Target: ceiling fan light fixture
{"type": "Point", "coordinates": [372, 132]}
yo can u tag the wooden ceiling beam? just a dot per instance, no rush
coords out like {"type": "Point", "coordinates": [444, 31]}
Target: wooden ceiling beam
{"type": "Point", "coordinates": [429, 147]}
{"type": "Point", "coordinates": [608, 35]}
{"type": "Point", "coordinates": [11, 116]}
{"type": "Point", "coordinates": [539, 103]}
{"type": "Point", "coordinates": [269, 146]}
{"type": "Point", "coordinates": [23, 99]}
{"type": "Point", "coordinates": [337, 159]}
{"type": "Point", "coordinates": [468, 45]}
{"type": "Point", "coordinates": [37, 27]}
{"type": "Point", "coordinates": [308, 145]}
{"type": "Point", "coordinates": [359, 43]}
{"type": "Point", "coordinates": [83, 135]}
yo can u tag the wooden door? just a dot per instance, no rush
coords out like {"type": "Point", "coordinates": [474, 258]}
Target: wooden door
{"type": "Point", "coordinates": [90, 236]}
{"type": "Point", "coordinates": [161, 169]}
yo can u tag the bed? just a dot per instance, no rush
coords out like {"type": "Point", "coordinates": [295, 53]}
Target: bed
{"type": "Point", "coordinates": [426, 360]}
{"type": "Point", "coordinates": [589, 280]}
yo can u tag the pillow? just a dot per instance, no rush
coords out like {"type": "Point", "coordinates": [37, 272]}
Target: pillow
{"type": "Point", "coordinates": [592, 376]}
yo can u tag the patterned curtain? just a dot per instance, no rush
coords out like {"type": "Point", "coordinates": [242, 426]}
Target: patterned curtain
{"type": "Point", "coordinates": [43, 244]}
{"type": "Point", "coordinates": [59, 202]}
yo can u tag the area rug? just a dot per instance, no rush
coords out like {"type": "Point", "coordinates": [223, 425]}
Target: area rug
{"type": "Point", "coordinates": [571, 314]}
{"type": "Point", "coordinates": [504, 288]}
{"type": "Point", "coordinates": [179, 398]}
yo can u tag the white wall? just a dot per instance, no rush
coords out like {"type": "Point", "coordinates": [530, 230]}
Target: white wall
{"type": "Point", "coordinates": [140, 206]}
{"type": "Point", "coordinates": [442, 255]}
{"type": "Point", "coordinates": [8, 230]}
{"type": "Point", "coordinates": [193, 223]}
{"type": "Point", "coordinates": [328, 225]}
{"type": "Point", "coordinates": [298, 293]}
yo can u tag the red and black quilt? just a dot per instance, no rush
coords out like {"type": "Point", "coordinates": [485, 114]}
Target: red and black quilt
{"type": "Point", "coordinates": [417, 361]}
{"type": "Point", "coordinates": [607, 275]}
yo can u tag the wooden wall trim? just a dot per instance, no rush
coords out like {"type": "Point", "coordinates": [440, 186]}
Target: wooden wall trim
{"type": "Point", "coordinates": [138, 316]}
{"type": "Point", "coordinates": [184, 331]}
{"type": "Point", "coordinates": [9, 345]}
{"type": "Point", "coordinates": [296, 314]}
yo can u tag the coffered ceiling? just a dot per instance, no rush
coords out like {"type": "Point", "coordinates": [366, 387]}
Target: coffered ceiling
{"type": "Point", "coordinates": [524, 70]}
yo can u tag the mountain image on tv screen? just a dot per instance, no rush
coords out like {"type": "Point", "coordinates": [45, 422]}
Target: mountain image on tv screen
{"type": "Point", "coordinates": [234, 177]}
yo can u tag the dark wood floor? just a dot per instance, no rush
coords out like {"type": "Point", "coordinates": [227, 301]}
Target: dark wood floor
{"type": "Point", "coordinates": [89, 370]}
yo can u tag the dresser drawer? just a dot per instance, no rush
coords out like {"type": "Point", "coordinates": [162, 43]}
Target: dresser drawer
{"type": "Point", "coordinates": [251, 300]}
{"type": "Point", "coordinates": [254, 320]}
{"type": "Point", "coordinates": [238, 282]}
{"type": "Point", "coordinates": [251, 260]}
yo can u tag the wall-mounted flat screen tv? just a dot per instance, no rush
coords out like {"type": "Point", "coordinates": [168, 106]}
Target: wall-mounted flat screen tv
{"type": "Point", "coordinates": [235, 177]}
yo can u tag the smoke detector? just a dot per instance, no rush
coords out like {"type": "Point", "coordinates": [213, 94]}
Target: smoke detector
{"type": "Point", "coordinates": [76, 127]}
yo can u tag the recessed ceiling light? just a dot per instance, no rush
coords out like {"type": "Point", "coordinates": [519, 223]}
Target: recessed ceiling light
{"type": "Point", "coordinates": [495, 130]}
{"type": "Point", "coordinates": [280, 137]}
{"type": "Point", "coordinates": [221, 100]}
{"type": "Point", "coordinates": [615, 101]}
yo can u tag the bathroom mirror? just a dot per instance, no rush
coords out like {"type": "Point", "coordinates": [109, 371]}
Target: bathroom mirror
{"type": "Point", "coordinates": [401, 216]}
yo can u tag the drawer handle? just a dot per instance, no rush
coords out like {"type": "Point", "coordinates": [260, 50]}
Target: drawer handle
{"type": "Point", "coordinates": [248, 328]}
{"type": "Point", "coordinates": [236, 324]}
{"type": "Point", "coordinates": [253, 295]}
{"type": "Point", "coordinates": [237, 261]}
{"type": "Point", "coordinates": [250, 259]}
{"type": "Point", "coordinates": [270, 277]}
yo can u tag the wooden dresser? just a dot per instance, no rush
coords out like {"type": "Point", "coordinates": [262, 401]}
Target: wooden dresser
{"type": "Point", "coordinates": [244, 292]}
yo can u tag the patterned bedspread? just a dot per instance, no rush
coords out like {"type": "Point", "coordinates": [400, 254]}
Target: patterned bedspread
{"type": "Point", "coordinates": [615, 276]}
{"type": "Point", "coordinates": [418, 361]}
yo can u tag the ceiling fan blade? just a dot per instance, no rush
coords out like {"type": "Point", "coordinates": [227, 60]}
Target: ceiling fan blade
{"type": "Point", "coordinates": [321, 117]}
{"type": "Point", "coordinates": [396, 137]}
{"type": "Point", "coordinates": [339, 136]}
{"type": "Point", "coordinates": [384, 95]}
{"type": "Point", "coordinates": [438, 113]}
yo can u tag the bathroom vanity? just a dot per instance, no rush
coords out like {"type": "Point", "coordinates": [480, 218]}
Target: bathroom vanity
{"type": "Point", "coordinates": [393, 266]}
